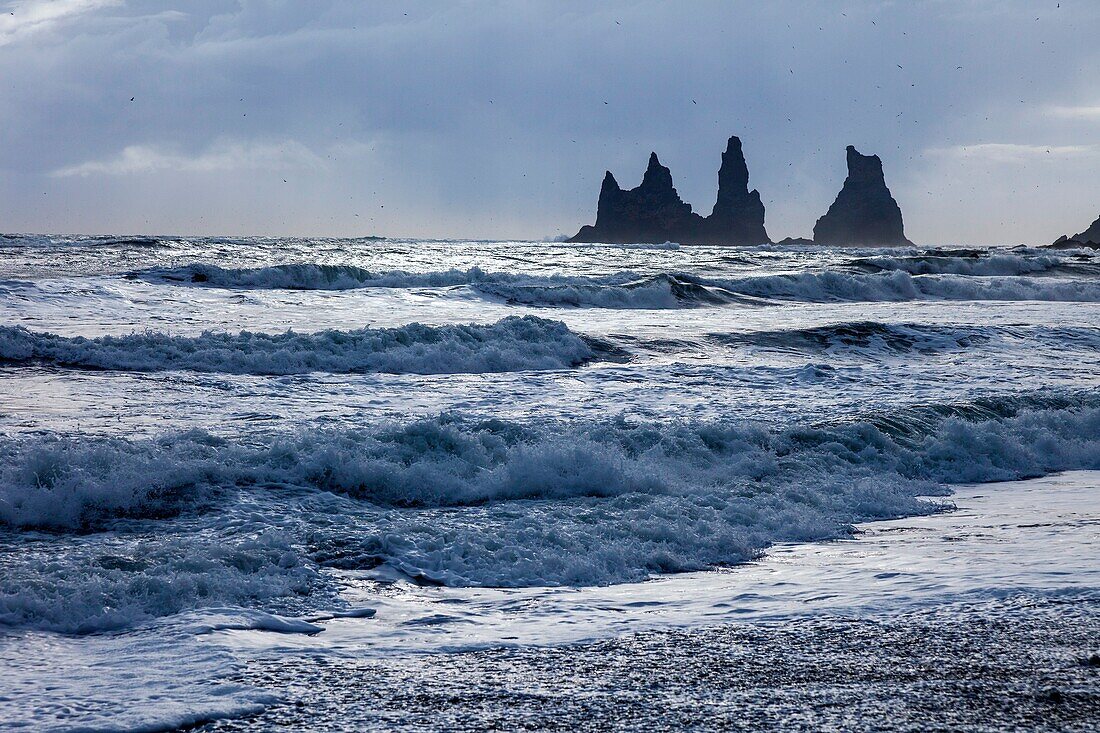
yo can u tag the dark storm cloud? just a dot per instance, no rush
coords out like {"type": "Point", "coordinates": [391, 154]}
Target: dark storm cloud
{"type": "Point", "coordinates": [498, 119]}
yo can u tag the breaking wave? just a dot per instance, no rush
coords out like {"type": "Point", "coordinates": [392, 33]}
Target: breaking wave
{"type": "Point", "coordinates": [566, 503]}
{"type": "Point", "coordinates": [512, 344]}
{"type": "Point", "coordinates": [452, 460]}
{"type": "Point", "coordinates": [873, 336]}
{"type": "Point", "coordinates": [675, 290]}
{"type": "Point", "coordinates": [828, 286]}
{"type": "Point", "coordinates": [304, 276]}
{"type": "Point", "coordinates": [623, 291]}
{"type": "Point", "coordinates": [681, 290]}
{"type": "Point", "coordinates": [74, 588]}
{"type": "Point", "coordinates": [979, 263]}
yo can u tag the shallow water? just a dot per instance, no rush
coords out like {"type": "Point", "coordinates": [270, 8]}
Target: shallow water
{"type": "Point", "coordinates": [202, 433]}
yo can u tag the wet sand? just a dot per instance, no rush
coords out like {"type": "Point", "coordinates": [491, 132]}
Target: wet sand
{"type": "Point", "coordinates": [1020, 664]}
{"type": "Point", "coordinates": [986, 618]}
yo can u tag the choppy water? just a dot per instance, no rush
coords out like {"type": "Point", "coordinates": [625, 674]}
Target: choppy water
{"type": "Point", "coordinates": [200, 433]}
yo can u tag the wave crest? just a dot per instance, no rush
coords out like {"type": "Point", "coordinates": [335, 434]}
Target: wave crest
{"type": "Point", "coordinates": [511, 344]}
{"type": "Point", "coordinates": [453, 460]}
{"type": "Point", "coordinates": [869, 337]}
{"type": "Point", "coordinates": [977, 263]}
{"type": "Point", "coordinates": [578, 503]}
{"type": "Point", "coordinates": [665, 290]}
{"type": "Point", "coordinates": [305, 276]}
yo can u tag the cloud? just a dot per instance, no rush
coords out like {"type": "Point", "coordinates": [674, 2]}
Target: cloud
{"type": "Point", "coordinates": [494, 119]}
{"type": "Point", "coordinates": [1075, 113]}
{"type": "Point", "coordinates": [1015, 152]}
{"type": "Point", "coordinates": [22, 19]}
{"type": "Point", "coordinates": [235, 156]}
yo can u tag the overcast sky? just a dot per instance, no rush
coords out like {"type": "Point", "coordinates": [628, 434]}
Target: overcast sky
{"type": "Point", "coordinates": [498, 119]}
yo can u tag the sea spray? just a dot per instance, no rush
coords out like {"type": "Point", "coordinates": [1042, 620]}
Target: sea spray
{"type": "Point", "coordinates": [511, 344]}
{"type": "Point", "coordinates": [889, 282]}
{"type": "Point", "coordinates": [196, 520]}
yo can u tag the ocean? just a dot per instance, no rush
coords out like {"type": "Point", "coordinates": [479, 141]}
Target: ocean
{"type": "Point", "coordinates": [224, 452]}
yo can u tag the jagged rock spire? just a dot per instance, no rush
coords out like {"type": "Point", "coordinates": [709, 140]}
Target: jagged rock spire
{"type": "Point", "coordinates": [738, 214]}
{"type": "Point", "coordinates": [654, 212]}
{"type": "Point", "coordinates": [864, 212]}
{"type": "Point", "coordinates": [657, 177]}
{"type": "Point", "coordinates": [1091, 235]}
{"type": "Point", "coordinates": [733, 176]}
{"type": "Point", "coordinates": [1088, 238]}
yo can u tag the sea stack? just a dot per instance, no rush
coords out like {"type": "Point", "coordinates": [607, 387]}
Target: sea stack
{"type": "Point", "coordinates": [1088, 238]}
{"type": "Point", "coordinates": [864, 212]}
{"type": "Point", "coordinates": [654, 211]}
{"type": "Point", "coordinates": [738, 214]}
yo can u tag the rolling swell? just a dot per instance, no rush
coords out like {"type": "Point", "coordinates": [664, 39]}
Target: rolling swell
{"type": "Point", "coordinates": [304, 276]}
{"type": "Point", "coordinates": [579, 503]}
{"type": "Point", "coordinates": [831, 286]}
{"type": "Point", "coordinates": [873, 336]}
{"type": "Point", "coordinates": [511, 344]}
{"type": "Point", "coordinates": [665, 290]}
{"type": "Point", "coordinates": [979, 264]}
{"type": "Point", "coordinates": [456, 460]}
{"type": "Point", "coordinates": [864, 336]}
{"type": "Point", "coordinates": [623, 290]}
{"type": "Point", "coordinates": [657, 291]}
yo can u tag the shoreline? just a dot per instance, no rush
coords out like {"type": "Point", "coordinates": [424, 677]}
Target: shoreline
{"type": "Point", "coordinates": [1037, 535]}
{"type": "Point", "coordinates": [980, 618]}
{"type": "Point", "coordinates": [954, 621]}
{"type": "Point", "coordinates": [1024, 663]}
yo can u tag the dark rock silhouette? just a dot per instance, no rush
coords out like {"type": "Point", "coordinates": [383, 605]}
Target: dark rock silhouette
{"type": "Point", "coordinates": [1088, 238]}
{"type": "Point", "coordinates": [654, 211]}
{"type": "Point", "coordinates": [738, 214]}
{"type": "Point", "coordinates": [864, 212]}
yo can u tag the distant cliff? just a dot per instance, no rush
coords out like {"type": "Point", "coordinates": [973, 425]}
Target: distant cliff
{"type": "Point", "coordinates": [1088, 238]}
{"type": "Point", "coordinates": [864, 212]}
{"type": "Point", "coordinates": [654, 211]}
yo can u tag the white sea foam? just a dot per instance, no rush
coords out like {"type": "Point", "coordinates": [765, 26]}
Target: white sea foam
{"type": "Point", "coordinates": [456, 461]}
{"type": "Point", "coordinates": [831, 286]}
{"type": "Point", "coordinates": [671, 290]}
{"type": "Point", "coordinates": [306, 276]}
{"type": "Point", "coordinates": [79, 586]}
{"type": "Point", "coordinates": [581, 503]}
{"type": "Point", "coordinates": [290, 512]}
{"type": "Point", "coordinates": [512, 344]}
{"type": "Point", "coordinates": [144, 682]}
{"type": "Point", "coordinates": [977, 263]}
{"type": "Point", "coordinates": [682, 290]}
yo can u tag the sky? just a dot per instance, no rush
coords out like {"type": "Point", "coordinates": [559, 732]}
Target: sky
{"type": "Point", "coordinates": [481, 119]}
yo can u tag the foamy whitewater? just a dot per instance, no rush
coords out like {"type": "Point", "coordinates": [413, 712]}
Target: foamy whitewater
{"type": "Point", "coordinates": [207, 444]}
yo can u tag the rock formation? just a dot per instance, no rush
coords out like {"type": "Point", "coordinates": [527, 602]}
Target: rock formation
{"type": "Point", "coordinates": [654, 212]}
{"type": "Point", "coordinates": [1088, 238]}
{"type": "Point", "coordinates": [864, 212]}
{"type": "Point", "coordinates": [738, 214]}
